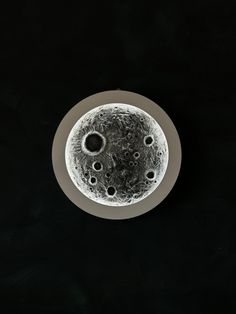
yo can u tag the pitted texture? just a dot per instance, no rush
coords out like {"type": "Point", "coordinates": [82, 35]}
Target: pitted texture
{"type": "Point", "coordinates": [123, 148]}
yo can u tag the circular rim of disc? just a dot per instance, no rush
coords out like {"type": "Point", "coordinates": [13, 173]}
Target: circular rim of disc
{"type": "Point", "coordinates": [106, 211]}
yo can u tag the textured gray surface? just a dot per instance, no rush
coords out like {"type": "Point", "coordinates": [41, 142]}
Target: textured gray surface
{"type": "Point", "coordinates": [133, 146]}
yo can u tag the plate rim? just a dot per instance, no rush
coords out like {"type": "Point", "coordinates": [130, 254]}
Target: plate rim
{"type": "Point", "coordinates": [106, 211]}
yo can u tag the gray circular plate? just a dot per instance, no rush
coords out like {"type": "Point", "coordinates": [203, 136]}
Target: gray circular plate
{"type": "Point", "coordinates": [113, 212]}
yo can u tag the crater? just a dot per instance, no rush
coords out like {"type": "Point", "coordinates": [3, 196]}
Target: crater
{"type": "Point", "coordinates": [136, 155]}
{"type": "Point", "coordinates": [93, 180]}
{"type": "Point", "coordinates": [150, 175]}
{"type": "Point", "coordinates": [111, 191]}
{"type": "Point", "coordinates": [93, 143]}
{"type": "Point", "coordinates": [148, 140]}
{"type": "Point", "coordinates": [97, 166]}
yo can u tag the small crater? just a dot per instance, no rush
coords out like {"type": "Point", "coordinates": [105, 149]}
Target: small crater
{"type": "Point", "coordinates": [136, 155]}
{"type": "Point", "coordinates": [126, 154]}
{"type": "Point", "coordinates": [148, 140]}
{"type": "Point", "coordinates": [111, 191]}
{"type": "Point", "coordinates": [93, 180]}
{"type": "Point", "coordinates": [97, 166]}
{"type": "Point", "coordinates": [150, 174]}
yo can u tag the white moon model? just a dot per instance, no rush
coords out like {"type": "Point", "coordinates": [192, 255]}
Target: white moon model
{"type": "Point", "coordinates": [116, 154]}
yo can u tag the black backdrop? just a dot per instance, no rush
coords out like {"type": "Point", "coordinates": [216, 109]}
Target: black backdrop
{"type": "Point", "coordinates": [178, 258]}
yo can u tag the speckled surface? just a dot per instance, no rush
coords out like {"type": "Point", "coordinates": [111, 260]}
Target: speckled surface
{"type": "Point", "coordinates": [124, 131]}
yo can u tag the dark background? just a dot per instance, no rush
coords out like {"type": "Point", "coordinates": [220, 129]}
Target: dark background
{"type": "Point", "coordinates": [178, 258]}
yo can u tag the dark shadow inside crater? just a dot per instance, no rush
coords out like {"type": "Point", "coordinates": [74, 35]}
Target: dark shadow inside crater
{"type": "Point", "coordinates": [93, 142]}
{"type": "Point", "coordinates": [111, 190]}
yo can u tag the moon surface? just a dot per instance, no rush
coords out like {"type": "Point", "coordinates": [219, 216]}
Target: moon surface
{"type": "Point", "coordinates": [116, 154]}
